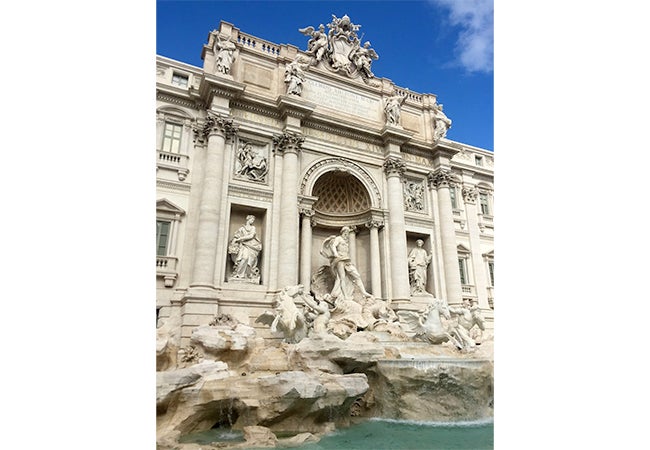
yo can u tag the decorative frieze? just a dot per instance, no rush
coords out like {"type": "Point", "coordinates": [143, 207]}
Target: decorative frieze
{"type": "Point", "coordinates": [394, 166]}
{"type": "Point", "coordinates": [288, 142]}
{"type": "Point", "coordinates": [251, 163]}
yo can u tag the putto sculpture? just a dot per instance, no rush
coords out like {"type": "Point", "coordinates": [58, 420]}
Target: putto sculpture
{"type": "Point", "coordinates": [340, 50]}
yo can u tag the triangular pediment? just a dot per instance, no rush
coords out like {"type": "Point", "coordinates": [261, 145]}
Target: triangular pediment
{"type": "Point", "coordinates": [164, 205]}
{"type": "Point", "coordinates": [489, 254]}
{"type": "Point", "coordinates": [460, 248]}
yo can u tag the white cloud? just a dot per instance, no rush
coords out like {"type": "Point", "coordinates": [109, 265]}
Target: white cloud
{"type": "Point", "coordinates": [475, 45]}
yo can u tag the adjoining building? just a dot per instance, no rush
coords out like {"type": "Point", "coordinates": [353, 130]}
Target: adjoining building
{"type": "Point", "coordinates": [293, 145]}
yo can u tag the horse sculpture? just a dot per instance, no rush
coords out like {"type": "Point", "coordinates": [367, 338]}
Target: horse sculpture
{"type": "Point", "coordinates": [428, 326]}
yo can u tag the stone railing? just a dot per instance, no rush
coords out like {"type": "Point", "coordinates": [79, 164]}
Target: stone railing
{"type": "Point", "coordinates": [413, 96]}
{"type": "Point", "coordinates": [166, 268]}
{"type": "Point", "coordinates": [166, 264]}
{"type": "Point", "coordinates": [258, 44]}
{"type": "Point", "coordinates": [174, 161]}
{"type": "Point", "coordinates": [468, 289]}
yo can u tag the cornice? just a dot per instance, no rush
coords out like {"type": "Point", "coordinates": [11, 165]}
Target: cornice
{"type": "Point", "coordinates": [249, 192]}
{"type": "Point", "coordinates": [173, 185]}
{"type": "Point", "coordinates": [165, 95]}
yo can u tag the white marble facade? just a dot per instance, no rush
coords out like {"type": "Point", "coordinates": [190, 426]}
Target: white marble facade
{"type": "Point", "coordinates": [238, 138]}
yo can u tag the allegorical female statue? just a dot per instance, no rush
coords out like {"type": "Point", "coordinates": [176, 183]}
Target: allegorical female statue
{"type": "Point", "coordinates": [244, 249]}
{"type": "Point", "coordinates": [418, 260]}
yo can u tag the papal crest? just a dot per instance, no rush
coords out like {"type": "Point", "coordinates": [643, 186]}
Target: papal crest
{"type": "Point", "coordinates": [340, 49]}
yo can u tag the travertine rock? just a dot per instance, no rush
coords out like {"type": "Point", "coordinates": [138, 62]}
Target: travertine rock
{"type": "Point", "coordinates": [215, 341]}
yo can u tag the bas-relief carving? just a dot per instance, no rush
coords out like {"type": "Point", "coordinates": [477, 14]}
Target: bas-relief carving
{"type": "Point", "coordinates": [418, 260]}
{"type": "Point", "coordinates": [244, 249]}
{"type": "Point", "coordinates": [413, 195]}
{"type": "Point", "coordinates": [251, 163]}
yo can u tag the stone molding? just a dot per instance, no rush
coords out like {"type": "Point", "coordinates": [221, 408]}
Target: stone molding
{"type": "Point", "coordinates": [394, 166]}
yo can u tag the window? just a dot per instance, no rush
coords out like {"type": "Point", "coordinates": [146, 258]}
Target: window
{"type": "Point", "coordinates": [478, 160]}
{"type": "Point", "coordinates": [462, 267]}
{"type": "Point", "coordinates": [491, 270]}
{"type": "Point", "coordinates": [162, 237]}
{"type": "Point", "coordinates": [172, 137]}
{"type": "Point", "coordinates": [483, 199]}
{"type": "Point", "coordinates": [179, 80]}
{"type": "Point", "coordinates": [452, 194]}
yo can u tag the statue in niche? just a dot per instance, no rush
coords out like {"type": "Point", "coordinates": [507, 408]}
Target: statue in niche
{"type": "Point", "coordinates": [413, 196]}
{"type": "Point", "coordinates": [225, 50]}
{"type": "Point", "coordinates": [467, 315]}
{"type": "Point", "coordinates": [441, 123]}
{"type": "Point", "coordinates": [392, 108]}
{"type": "Point", "coordinates": [337, 250]}
{"type": "Point", "coordinates": [252, 163]}
{"type": "Point", "coordinates": [418, 260]}
{"type": "Point", "coordinates": [362, 58]}
{"type": "Point", "coordinates": [294, 76]}
{"type": "Point", "coordinates": [286, 317]}
{"type": "Point", "coordinates": [317, 45]}
{"type": "Point", "coordinates": [244, 249]}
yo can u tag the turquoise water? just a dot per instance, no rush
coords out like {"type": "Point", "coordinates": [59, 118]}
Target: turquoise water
{"type": "Point", "coordinates": [378, 434]}
{"type": "Point", "coordinates": [387, 434]}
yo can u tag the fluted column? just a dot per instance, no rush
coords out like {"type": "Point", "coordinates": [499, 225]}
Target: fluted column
{"type": "Point", "coordinates": [437, 266]}
{"type": "Point", "coordinates": [478, 268]}
{"type": "Point", "coordinates": [216, 129]}
{"type": "Point", "coordinates": [394, 168]}
{"type": "Point", "coordinates": [289, 144]}
{"type": "Point", "coordinates": [375, 265]}
{"type": "Point", "coordinates": [440, 179]}
{"type": "Point", "coordinates": [305, 248]}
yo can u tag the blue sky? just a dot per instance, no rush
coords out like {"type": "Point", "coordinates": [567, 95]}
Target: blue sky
{"type": "Point", "coordinates": [444, 47]}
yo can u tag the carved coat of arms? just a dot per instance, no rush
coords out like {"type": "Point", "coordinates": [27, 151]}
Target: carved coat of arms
{"type": "Point", "coordinates": [340, 49]}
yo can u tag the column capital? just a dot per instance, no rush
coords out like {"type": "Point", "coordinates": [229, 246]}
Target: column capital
{"type": "Point", "coordinates": [440, 178]}
{"type": "Point", "coordinates": [373, 223]}
{"type": "Point", "coordinates": [394, 166]}
{"type": "Point", "coordinates": [306, 211]}
{"type": "Point", "coordinates": [214, 125]}
{"type": "Point", "coordinates": [469, 193]}
{"type": "Point", "coordinates": [288, 142]}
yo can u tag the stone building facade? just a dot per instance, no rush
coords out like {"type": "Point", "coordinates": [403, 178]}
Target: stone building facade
{"type": "Point", "coordinates": [292, 145]}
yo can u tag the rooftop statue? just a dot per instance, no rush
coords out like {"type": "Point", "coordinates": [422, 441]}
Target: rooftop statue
{"type": "Point", "coordinates": [392, 108]}
{"type": "Point", "coordinates": [294, 75]}
{"type": "Point", "coordinates": [340, 49]}
{"type": "Point", "coordinates": [441, 123]}
{"type": "Point", "coordinates": [225, 51]}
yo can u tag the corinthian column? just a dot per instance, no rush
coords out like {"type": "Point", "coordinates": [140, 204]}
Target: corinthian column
{"type": "Point", "coordinates": [375, 265]}
{"type": "Point", "coordinates": [440, 179]}
{"type": "Point", "coordinates": [216, 129]}
{"type": "Point", "coordinates": [480, 282]}
{"type": "Point", "coordinates": [394, 168]}
{"type": "Point", "coordinates": [305, 248]}
{"type": "Point", "coordinates": [289, 144]}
